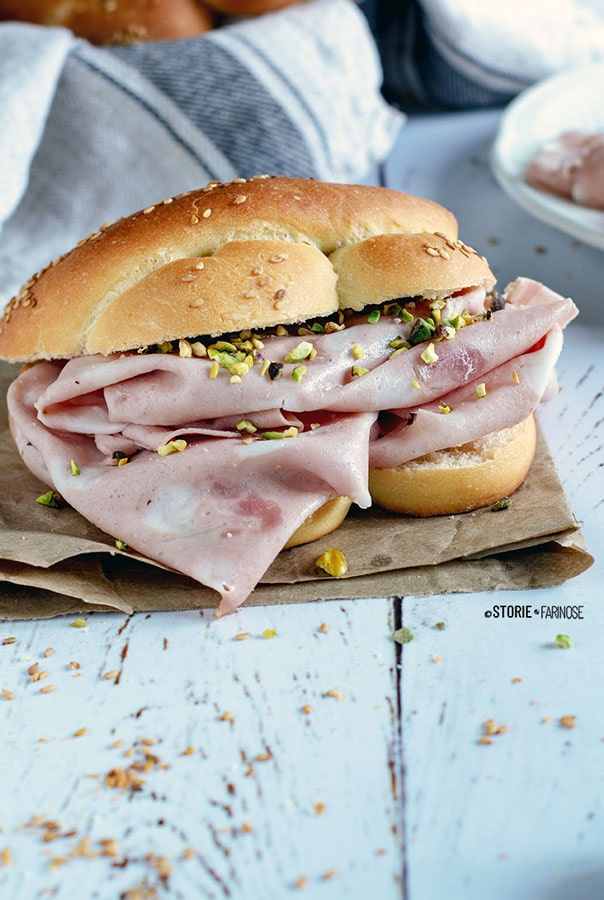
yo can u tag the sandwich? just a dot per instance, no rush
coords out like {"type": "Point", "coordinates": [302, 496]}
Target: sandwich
{"type": "Point", "coordinates": [221, 375]}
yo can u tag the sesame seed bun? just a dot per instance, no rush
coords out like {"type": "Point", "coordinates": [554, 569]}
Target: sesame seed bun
{"type": "Point", "coordinates": [459, 479]}
{"type": "Point", "coordinates": [249, 254]}
{"type": "Point", "coordinates": [115, 21]}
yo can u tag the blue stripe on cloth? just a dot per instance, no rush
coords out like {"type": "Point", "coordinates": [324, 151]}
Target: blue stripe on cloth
{"type": "Point", "coordinates": [153, 111]}
{"type": "Point", "coordinates": [226, 102]}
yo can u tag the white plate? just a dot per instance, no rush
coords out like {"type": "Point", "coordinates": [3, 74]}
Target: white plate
{"type": "Point", "coordinates": [573, 100]}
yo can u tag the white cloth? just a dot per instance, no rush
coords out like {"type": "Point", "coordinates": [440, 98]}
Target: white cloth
{"type": "Point", "coordinates": [468, 53]}
{"type": "Point", "coordinates": [89, 134]}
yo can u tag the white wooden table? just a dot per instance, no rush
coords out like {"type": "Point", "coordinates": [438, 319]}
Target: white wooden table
{"type": "Point", "coordinates": [174, 760]}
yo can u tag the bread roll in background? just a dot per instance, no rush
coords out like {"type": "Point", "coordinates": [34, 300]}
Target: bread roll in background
{"type": "Point", "coordinates": [114, 22]}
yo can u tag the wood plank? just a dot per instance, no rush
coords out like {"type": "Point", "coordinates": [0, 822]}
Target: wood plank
{"type": "Point", "coordinates": [267, 794]}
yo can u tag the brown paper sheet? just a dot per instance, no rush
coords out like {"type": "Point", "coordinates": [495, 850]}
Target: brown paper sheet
{"type": "Point", "coordinates": [54, 562]}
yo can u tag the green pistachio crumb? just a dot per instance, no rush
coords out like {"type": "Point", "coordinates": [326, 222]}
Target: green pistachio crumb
{"type": "Point", "coordinates": [481, 390]}
{"type": "Point", "coordinates": [429, 355]}
{"type": "Point", "coordinates": [300, 352]}
{"type": "Point", "coordinates": [374, 317]}
{"type": "Point", "coordinates": [298, 373]}
{"type": "Point", "coordinates": [564, 641]}
{"type": "Point", "coordinates": [74, 468]}
{"type": "Point", "coordinates": [402, 635]}
{"type": "Point", "coordinates": [50, 499]}
{"type": "Point", "coordinates": [499, 505]}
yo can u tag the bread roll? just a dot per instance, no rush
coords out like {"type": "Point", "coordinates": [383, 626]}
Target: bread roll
{"type": "Point", "coordinates": [115, 21]}
{"type": "Point", "coordinates": [248, 254]}
{"type": "Point", "coordinates": [459, 479]}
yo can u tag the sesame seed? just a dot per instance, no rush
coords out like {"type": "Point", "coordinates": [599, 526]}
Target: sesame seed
{"type": "Point", "coordinates": [278, 258]}
{"type": "Point", "coordinates": [167, 201]}
{"type": "Point", "coordinates": [207, 213]}
{"type": "Point", "coordinates": [431, 251]}
{"type": "Point", "coordinates": [194, 220]}
{"type": "Point", "coordinates": [148, 210]}
{"type": "Point", "coordinates": [8, 640]}
{"type": "Point", "coordinates": [239, 181]}
{"type": "Point", "coordinates": [47, 689]}
{"type": "Point", "coordinates": [8, 695]}
{"type": "Point", "coordinates": [199, 265]}
{"type": "Point", "coordinates": [240, 198]}
{"type": "Point", "coordinates": [443, 253]}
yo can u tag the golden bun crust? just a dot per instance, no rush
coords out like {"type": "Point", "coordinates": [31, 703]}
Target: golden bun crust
{"type": "Point", "coordinates": [325, 520]}
{"type": "Point", "coordinates": [247, 254]}
{"type": "Point", "coordinates": [115, 21]}
{"type": "Point", "coordinates": [426, 265]}
{"type": "Point", "coordinates": [459, 479]}
{"type": "Point", "coordinates": [248, 7]}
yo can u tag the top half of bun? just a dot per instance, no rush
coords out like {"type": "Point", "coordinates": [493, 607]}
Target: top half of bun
{"type": "Point", "coordinates": [249, 254]}
{"type": "Point", "coordinates": [115, 21]}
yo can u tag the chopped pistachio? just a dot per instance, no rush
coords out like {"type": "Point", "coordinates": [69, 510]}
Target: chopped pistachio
{"type": "Point", "coordinates": [239, 368]}
{"type": "Point", "coordinates": [185, 349]}
{"type": "Point", "coordinates": [317, 328]}
{"type": "Point", "coordinates": [359, 371]}
{"type": "Point", "coordinates": [269, 633]}
{"type": "Point", "coordinates": [402, 635]}
{"type": "Point", "coordinates": [50, 499]}
{"type": "Point", "coordinates": [198, 349]}
{"type": "Point", "coordinates": [274, 370]}
{"type": "Point", "coordinates": [214, 369]}
{"type": "Point", "coordinates": [481, 390]}
{"type": "Point", "coordinates": [422, 330]}
{"type": "Point", "coordinates": [79, 623]}
{"type": "Point", "coordinates": [235, 379]}
{"type": "Point", "coordinates": [374, 317]}
{"type": "Point", "coordinates": [277, 435]}
{"type": "Point", "coordinates": [298, 373]}
{"type": "Point", "coordinates": [265, 367]}
{"type": "Point", "coordinates": [440, 626]}
{"type": "Point", "coordinates": [515, 377]}
{"type": "Point", "coordinates": [246, 425]}
{"type": "Point", "coordinates": [333, 562]}
{"type": "Point", "coordinates": [398, 342]}
{"type": "Point", "coordinates": [405, 315]}
{"type": "Point", "coordinates": [121, 545]}
{"type": "Point", "coordinates": [165, 347]}
{"type": "Point", "coordinates": [357, 351]}
{"type": "Point", "coordinates": [176, 446]}
{"type": "Point", "coordinates": [502, 504]}
{"type": "Point", "coordinates": [300, 352]}
{"type": "Point", "coordinates": [123, 461]}
{"type": "Point", "coordinates": [564, 641]}
{"type": "Point", "coordinates": [429, 355]}
{"type": "Point", "coordinates": [415, 383]}
{"type": "Point", "coordinates": [74, 468]}
{"type": "Point", "coordinates": [443, 408]}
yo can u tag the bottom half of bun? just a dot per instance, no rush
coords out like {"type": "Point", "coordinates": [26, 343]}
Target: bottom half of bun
{"type": "Point", "coordinates": [458, 479]}
{"type": "Point", "coordinates": [323, 521]}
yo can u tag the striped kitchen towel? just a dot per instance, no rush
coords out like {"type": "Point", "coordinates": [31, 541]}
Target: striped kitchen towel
{"type": "Point", "coordinates": [88, 134]}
